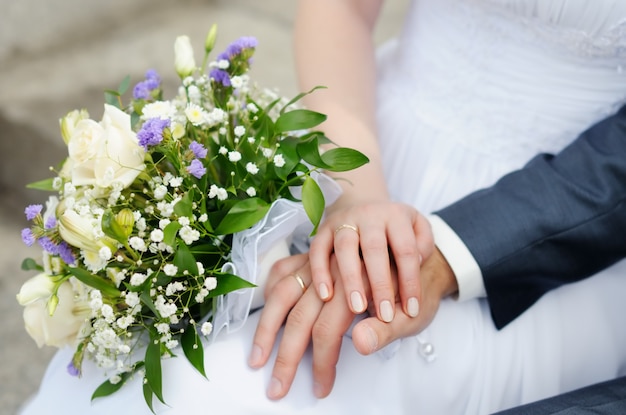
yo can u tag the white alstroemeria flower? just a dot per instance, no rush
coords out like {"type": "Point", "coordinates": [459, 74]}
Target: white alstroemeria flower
{"type": "Point", "coordinates": [80, 231]}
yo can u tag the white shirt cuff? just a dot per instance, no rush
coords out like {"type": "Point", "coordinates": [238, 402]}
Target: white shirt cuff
{"type": "Point", "coordinates": [466, 270]}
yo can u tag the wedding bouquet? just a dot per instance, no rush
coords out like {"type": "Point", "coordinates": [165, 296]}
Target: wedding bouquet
{"type": "Point", "coordinates": [140, 225]}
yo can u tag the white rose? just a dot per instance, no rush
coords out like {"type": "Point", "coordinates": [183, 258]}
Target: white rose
{"type": "Point", "coordinates": [69, 122]}
{"type": "Point", "coordinates": [103, 153]}
{"type": "Point", "coordinates": [37, 288]}
{"type": "Point", "coordinates": [61, 328]}
{"type": "Point", "coordinates": [183, 57]}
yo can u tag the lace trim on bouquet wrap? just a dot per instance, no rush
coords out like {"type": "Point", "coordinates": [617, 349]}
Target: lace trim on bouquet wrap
{"type": "Point", "coordinates": [284, 220]}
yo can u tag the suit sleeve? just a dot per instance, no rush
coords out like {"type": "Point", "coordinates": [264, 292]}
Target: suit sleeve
{"type": "Point", "coordinates": [560, 219]}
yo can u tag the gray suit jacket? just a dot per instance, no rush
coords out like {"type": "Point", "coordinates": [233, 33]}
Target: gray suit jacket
{"type": "Point", "coordinates": [559, 219]}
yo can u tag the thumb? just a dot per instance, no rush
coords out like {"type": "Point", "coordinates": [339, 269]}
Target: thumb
{"type": "Point", "coordinates": [372, 334]}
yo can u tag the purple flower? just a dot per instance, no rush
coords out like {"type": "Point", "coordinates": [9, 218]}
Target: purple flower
{"type": "Point", "coordinates": [153, 80]}
{"type": "Point", "coordinates": [142, 89]}
{"type": "Point", "coordinates": [66, 254]}
{"type": "Point", "coordinates": [32, 211]}
{"type": "Point", "coordinates": [196, 169]}
{"type": "Point", "coordinates": [72, 370]}
{"type": "Point", "coordinates": [198, 149]}
{"type": "Point", "coordinates": [48, 245]}
{"type": "Point", "coordinates": [27, 237]}
{"type": "Point", "coordinates": [51, 222]}
{"type": "Point", "coordinates": [235, 48]}
{"type": "Point", "coordinates": [220, 76]}
{"type": "Point", "coordinates": [151, 132]}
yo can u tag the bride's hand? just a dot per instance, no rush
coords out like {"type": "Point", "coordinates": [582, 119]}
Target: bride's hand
{"type": "Point", "coordinates": [372, 231]}
{"type": "Point", "coordinates": [325, 323]}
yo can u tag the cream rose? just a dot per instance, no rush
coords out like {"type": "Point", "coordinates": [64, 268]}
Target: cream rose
{"type": "Point", "coordinates": [101, 154]}
{"type": "Point", "coordinates": [62, 327]}
{"type": "Point", "coordinates": [37, 288]}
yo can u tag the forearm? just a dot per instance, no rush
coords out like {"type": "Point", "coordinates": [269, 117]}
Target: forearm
{"type": "Point", "coordinates": [334, 48]}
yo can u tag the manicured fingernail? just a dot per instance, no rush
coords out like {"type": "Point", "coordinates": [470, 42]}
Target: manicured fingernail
{"type": "Point", "coordinates": [275, 389]}
{"type": "Point", "coordinates": [323, 291]}
{"type": "Point", "coordinates": [317, 390]}
{"type": "Point", "coordinates": [372, 339]}
{"type": "Point", "coordinates": [255, 356]}
{"type": "Point", "coordinates": [357, 302]}
{"type": "Point", "coordinates": [386, 311]}
{"type": "Point", "coordinates": [413, 307]}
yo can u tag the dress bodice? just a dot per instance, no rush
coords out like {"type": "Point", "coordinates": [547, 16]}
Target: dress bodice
{"type": "Point", "coordinates": [489, 73]}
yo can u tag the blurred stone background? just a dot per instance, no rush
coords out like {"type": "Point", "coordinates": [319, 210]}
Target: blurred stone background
{"type": "Point", "coordinates": [60, 55]}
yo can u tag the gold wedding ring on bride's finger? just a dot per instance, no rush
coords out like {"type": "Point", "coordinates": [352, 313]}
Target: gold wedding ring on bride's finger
{"type": "Point", "coordinates": [300, 281]}
{"type": "Point", "coordinates": [347, 226]}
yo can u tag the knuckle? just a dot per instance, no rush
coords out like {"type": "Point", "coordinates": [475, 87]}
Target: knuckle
{"type": "Point", "coordinates": [296, 317]}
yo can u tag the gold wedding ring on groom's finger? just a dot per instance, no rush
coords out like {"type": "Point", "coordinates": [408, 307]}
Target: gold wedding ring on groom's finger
{"type": "Point", "coordinates": [300, 282]}
{"type": "Point", "coordinates": [347, 226]}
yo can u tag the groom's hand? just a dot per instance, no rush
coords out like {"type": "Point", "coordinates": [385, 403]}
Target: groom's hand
{"type": "Point", "coordinates": [325, 324]}
{"type": "Point", "coordinates": [438, 281]}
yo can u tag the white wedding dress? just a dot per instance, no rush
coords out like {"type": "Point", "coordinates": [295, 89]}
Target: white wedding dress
{"type": "Point", "coordinates": [471, 90]}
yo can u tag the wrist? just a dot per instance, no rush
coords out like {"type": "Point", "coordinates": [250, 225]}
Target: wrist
{"type": "Point", "coordinates": [444, 279]}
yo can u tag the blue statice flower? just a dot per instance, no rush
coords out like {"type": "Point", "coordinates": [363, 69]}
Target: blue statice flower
{"type": "Point", "coordinates": [66, 254]}
{"type": "Point", "coordinates": [238, 46]}
{"type": "Point", "coordinates": [220, 76]}
{"type": "Point", "coordinates": [72, 370]}
{"type": "Point", "coordinates": [27, 237]}
{"type": "Point", "coordinates": [198, 150]}
{"type": "Point", "coordinates": [51, 223]}
{"type": "Point", "coordinates": [153, 80]}
{"type": "Point", "coordinates": [32, 211]}
{"type": "Point", "coordinates": [48, 245]}
{"type": "Point", "coordinates": [151, 133]}
{"type": "Point", "coordinates": [144, 88]}
{"type": "Point", "coordinates": [196, 169]}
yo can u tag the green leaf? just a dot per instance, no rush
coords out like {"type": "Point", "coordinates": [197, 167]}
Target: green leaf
{"type": "Point", "coordinates": [227, 283]}
{"type": "Point", "coordinates": [299, 119]}
{"type": "Point", "coordinates": [45, 184]}
{"type": "Point", "coordinates": [29, 264]}
{"type": "Point", "coordinates": [313, 202]}
{"type": "Point", "coordinates": [192, 347]}
{"type": "Point", "coordinates": [242, 215]}
{"type": "Point", "coordinates": [153, 368]}
{"type": "Point", "coordinates": [112, 228]}
{"type": "Point", "coordinates": [343, 159]}
{"type": "Point", "coordinates": [170, 232]}
{"type": "Point", "coordinates": [107, 388]}
{"type": "Point", "coordinates": [147, 395]}
{"type": "Point", "coordinates": [288, 148]}
{"type": "Point", "coordinates": [185, 261]}
{"type": "Point", "coordinates": [147, 301]}
{"type": "Point", "coordinates": [112, 98]}
{"type": "Point", "coordinates": [300, 96]}
{"type": "Point", "coordinates": [105, 286]}
{"type": "Point", "coordinates": [184, 207]}
{"type": "Point", "coordinates": [309, 150]}
{"type": "Point", "coordinates": [124, 85]}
